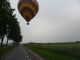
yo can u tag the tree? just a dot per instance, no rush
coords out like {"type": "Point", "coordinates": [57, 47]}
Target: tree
{"type": "Point", "coordinates": [2, 20]}
{"type": "Point", "coordinates": [15, 33]}
{"type": "Point", "coordinates": [9, 25]}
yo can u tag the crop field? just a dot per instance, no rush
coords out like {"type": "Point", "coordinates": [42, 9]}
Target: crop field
{"type": "Point", "coordinates": [56, 51]}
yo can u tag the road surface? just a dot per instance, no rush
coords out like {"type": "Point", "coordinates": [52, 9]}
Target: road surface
{"type": "Point", "coordinates": [21, 53]}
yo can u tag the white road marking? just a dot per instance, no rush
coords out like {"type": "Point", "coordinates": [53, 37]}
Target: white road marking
{"type": "Point", "coordinates": [27, 56]}
{"type": "Point", "coordinates": [29, 59]}
{"type": "Point", "coordinates": [5, 59]}
{"type": "Point", "coordinates": [8, 57]}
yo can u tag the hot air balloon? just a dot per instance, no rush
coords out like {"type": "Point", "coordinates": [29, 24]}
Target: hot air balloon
{"type": "Point", "coordinates": [28, 9]}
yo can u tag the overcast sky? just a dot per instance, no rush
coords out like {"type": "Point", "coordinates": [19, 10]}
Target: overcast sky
{"type": "Point", "coordinates": [56, 21]}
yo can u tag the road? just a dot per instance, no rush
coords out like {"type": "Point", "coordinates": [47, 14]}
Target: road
{"type": "Point", "coordinates": [21, 53]}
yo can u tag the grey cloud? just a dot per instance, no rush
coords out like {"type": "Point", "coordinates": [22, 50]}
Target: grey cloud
{"type": "Point", "coordinates": [56, 21]}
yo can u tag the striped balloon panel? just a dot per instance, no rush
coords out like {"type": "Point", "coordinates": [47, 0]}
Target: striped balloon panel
{"type": "Point", "coordinates": [28, 9]}
{"type": "Point", "coordinates": [27, 13]}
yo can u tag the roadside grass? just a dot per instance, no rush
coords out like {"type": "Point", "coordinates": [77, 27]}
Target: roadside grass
{"type": "Point", "coordinates": [5, 49]}
{"type": "Point", "coordinates": [69, 51]}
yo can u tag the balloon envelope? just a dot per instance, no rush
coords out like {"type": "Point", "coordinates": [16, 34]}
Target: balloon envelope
{"type": "Point", "coordinates": [28, 9]}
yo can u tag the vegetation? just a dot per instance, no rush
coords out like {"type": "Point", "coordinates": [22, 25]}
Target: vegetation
{"type": "Point", "coordinates": [5, 49]}
{"type": "Point", "coordinates": [9, 25]}
{"type": "Point", "coordinates": [56, 51]}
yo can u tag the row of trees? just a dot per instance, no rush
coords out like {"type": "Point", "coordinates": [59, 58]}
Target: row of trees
{"type": "Point", "coordinates": [9, 25]}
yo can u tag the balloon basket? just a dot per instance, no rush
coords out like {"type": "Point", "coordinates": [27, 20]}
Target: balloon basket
{"type": "Point", "coordinates": [27, 23]}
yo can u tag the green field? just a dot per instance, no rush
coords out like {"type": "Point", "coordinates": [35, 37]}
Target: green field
{"type": "Point", "coordinates": [56, 51]}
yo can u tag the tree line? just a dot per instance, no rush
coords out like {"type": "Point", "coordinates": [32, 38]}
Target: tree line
{"type": "Point", "coordinates": [9, 26]}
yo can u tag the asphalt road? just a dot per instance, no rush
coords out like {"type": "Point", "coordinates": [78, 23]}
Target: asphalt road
{"type": "Point", "coordinates": [21, 53]}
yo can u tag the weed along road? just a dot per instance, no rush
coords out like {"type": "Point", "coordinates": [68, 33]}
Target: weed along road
{"type": "Point", "coordinates": [20, 53]}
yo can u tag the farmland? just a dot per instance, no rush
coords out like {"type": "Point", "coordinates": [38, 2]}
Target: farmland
{"type": "Point", "coordinates": [56, 51]}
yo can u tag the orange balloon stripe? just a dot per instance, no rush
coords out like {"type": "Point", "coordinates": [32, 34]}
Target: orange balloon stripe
{"type": "Point", "coordinates": [28, 15]}
{"type": "Point", "coordinates": [30, 5]}
{"type": "Point", "coordinates": [26, 10]}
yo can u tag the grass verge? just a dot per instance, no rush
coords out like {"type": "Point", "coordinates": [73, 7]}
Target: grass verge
{"type": "Point", "coordinates": [4, 50]}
